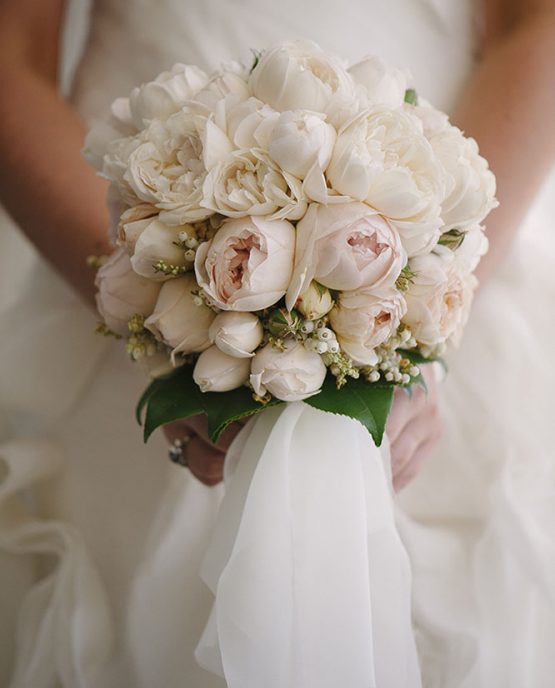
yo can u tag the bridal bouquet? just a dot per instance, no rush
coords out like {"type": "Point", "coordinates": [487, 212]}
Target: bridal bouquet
{"type": "Point", "coordinates": [299, 230]}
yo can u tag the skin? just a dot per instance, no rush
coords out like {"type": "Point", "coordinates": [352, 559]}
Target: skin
{"type": "Point", "coordinates": [509, 106]}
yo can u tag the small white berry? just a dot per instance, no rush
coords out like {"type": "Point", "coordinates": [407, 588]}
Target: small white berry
{"type": "Point", "coordinates": [405, 379]}
{"type": "Point", "coordinates": [183, 237]}
{"type": "Point", "coordinates": [190, 255]}
{"type": "Point", "coordinates": [191, 242]}
{"type": "Point", "coordinates": [333, 347]}
{"type": "Point", "coordinates": [307, 327]}
{"type": "Point", "coordinates": [325, 334]}
{"type": "Point", "coordinates": [389, 377]}
{"type": "Point", "coordinates": [320, 347]}
{"type": "Point", "coordinates": [374, 376]}
{"type": "Point", "coordinates": [414, 371]}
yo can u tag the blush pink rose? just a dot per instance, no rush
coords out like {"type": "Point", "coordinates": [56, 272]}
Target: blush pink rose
{"type": "Point", "coordinates": [345, 247]}
{"type": "Point", "coordinates": [248, 264]}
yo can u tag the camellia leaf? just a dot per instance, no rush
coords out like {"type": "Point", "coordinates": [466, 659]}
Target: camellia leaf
{"type": "Point", "coordinates": [370, 404]}
{"type": "Point", "coordinates": [177, 396]}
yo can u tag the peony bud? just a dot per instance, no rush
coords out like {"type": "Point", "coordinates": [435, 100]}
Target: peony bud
{"type": "Point", "coordinates": [236, 334]}
{"type": "Point", "coordinates": [301, 139]}
{"type": "Point", "coordinates": [218, 372]}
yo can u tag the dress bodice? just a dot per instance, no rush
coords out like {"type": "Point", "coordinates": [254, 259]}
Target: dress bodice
{"type": "Point", "coordinates": [131, 41]}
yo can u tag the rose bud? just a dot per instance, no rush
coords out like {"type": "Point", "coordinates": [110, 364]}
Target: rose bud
{"type": "Point", "coordinates": [159, 242]}
{"type": "Point", "coordinates": [177, 319]}
{"type": "Point", "coordinates": [122, 293]}
{"type": "Point", "coordinates": [290, 375]}
{"type": "Point", "coordinates": [217, 372]}
{"type": "Point", "coordinates": [315, 302]}
{"type": "Point", "coordinates": [236, 334]}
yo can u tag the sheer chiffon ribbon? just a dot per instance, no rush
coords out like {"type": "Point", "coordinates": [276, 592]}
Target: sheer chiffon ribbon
{"type": "Point", "coordinates": [311, 582]}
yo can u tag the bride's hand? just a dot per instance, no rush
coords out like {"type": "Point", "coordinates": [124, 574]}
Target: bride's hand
{"type": "Point", "coordinates": [413, 428]}
{"type": "Point", "coordinates": [204, 459]}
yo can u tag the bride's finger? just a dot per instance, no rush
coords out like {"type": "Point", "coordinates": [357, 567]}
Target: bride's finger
{"type": "Point", "coordinates": [204, 461]}
{"type": "Point", "coordinates": [413, 466]}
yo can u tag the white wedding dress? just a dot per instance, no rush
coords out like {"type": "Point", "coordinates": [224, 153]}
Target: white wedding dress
{"type": "Point", "coordinates": [102, 539]}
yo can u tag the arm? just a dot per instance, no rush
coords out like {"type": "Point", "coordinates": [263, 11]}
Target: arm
{"type": "Point", "coordinates": [46, 186]}
{"type": "Point", "coordinates": [509, 107]}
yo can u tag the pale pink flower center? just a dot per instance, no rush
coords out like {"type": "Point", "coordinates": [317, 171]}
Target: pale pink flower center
{"type": "Point", "coordinates": [365, 244]}
{"type": "Point", "coordinates": [236, 263]}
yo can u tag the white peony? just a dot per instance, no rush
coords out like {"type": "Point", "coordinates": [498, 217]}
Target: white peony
{"type": "Point", "coordinates": [385, 86]}
{"type": "Point", "coordinates": [364, 319]}
{"type": "Point", "coordinates": [384, 159]}
{"type": "Point", "coordinates": [217, 372]}
{"type": "Point", "coordinates": [117, 124]}
{"type": "Point", "coordinates": [121, 293]}
{"type": "Point", "coordinates": [166, 94]}
{"type": "Point", "coordinates": [249, 123]}
{"type": "Point", "coordinates": [177, 318]}
{"type": "Point", "coordinates": [248, 182]}
{"type": "Point", "coordinates": [290, 375]}
{"type": "Point", "coordinates": [299, 75]}
{"type": "Point", "coordinates": [165, 165]}
{"type": "Point", "coordinates": [301, 139]}
{"type": "Point", "coordinates": [247, 266]}
{"type": "Point", "coordinates": [236, 334]}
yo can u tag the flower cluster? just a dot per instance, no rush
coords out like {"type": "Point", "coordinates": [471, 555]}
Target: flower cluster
{"type": "Point", "coordinates": [277, 225]}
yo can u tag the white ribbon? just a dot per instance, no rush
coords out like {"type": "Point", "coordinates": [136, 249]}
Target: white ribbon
{"type": "Point", "coordinates": [310, 579]}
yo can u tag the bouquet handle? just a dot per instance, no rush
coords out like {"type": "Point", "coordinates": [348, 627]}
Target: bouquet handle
{"type": "Point", "coordinates": [311, 582]}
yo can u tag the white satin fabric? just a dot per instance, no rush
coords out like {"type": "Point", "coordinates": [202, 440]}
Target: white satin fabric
{"type": "Point", "coordinates": [102, 540]}
{"type": "Point", "coordinates": [312, 585]}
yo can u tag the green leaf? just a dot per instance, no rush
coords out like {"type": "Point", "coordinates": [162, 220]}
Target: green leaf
{"type": "Point", "coordinates": [177, 396]}
{"type": "Point", "coordinates": [171, 398]}
{"type": "Point", "coordinates": [368, 403]}
{"type": "Point", "coordinates": [223, 408]}
{"type": "Point", "coordinates": [411, 97]}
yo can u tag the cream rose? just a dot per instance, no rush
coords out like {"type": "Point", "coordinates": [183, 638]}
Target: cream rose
{"type": "Point", "coordinates": [438, 299]}
{"type": "Point", "coordinates": [247, 266]}
{"type": "Point", "coordinates": [248, 182]}
{"type": "Point", "coordinates": [217, 372]}
{"type": "Point", "coordinates": [177, 319]}
{"type": "Point", "coordinates": [290, 375]}
{"type": "Point", "coordinates": [472, 192]}
{"type": "Point", "coordinates": [384, 159]}
{"type": "Point", "coordinates": [301, 139]}
{"type": "Point", "coordinates": [299, 75]}
{"type": "Point", "coordinates": [236, 334]}
{"type": "Point", "coordinates": [364, 319]}
{"type": "Point", "coordinates": [384, 85]}
{"type": "Point", "coordinates": [121, 293]}
{"type": "Point", "coordinates": [345, 247]}
{"type": "Point", "coordinates": [166, 94]}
